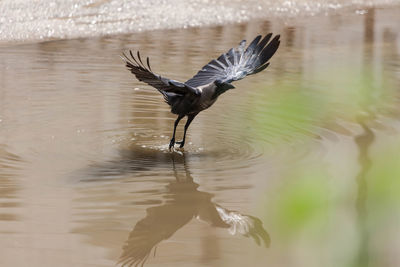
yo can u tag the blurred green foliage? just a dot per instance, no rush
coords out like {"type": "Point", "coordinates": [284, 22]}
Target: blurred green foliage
{"type": "Point", "coordinates": [384, 183]}
{"type": "Point", "coordinates": [309, 205]}
{"type": "Point", "coordinates": [303, 200]}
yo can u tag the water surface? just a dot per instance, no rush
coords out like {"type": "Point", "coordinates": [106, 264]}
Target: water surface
{"type": "Point", "coordinates": [297, 166]}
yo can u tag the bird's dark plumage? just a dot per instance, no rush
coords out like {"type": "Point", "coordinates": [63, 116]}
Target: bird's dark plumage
{"type": "Point", "coordinates": [238, 62]}
{"type": "Point", "coordinates": [203, 89]}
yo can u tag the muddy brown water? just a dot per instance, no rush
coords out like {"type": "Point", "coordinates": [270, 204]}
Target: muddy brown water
{"type": "Point", "coordinates": [303, 156]}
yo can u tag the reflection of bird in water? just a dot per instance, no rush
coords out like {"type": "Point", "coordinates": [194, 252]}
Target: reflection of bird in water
{"type": "Point", "coordinates": [215, 78]}
{"type": "Point", "coordinates": [183, 203]}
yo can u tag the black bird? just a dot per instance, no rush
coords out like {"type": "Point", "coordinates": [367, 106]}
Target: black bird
{"type": "Point", "coordinates": [201, 91]}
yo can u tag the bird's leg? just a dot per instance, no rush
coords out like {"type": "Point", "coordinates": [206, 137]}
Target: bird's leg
{"type": "Point", "coordinates": [189, 120]}
{"type": "Point", "coordinates": [172, 142]}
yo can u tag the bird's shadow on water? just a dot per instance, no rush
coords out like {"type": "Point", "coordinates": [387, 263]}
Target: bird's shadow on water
{"type": "Point", "coordinates": [182, 203]}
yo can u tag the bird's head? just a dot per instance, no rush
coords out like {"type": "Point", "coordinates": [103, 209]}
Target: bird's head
{"type": "Point", "coordinates": [222, 87]}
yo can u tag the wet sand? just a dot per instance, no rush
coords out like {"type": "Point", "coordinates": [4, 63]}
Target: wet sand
{"type": "Point", "coordinates": [304, 155]}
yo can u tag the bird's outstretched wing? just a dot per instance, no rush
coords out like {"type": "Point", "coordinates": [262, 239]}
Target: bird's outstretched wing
{"type": "Point", "coordinates": [238, 62]}
{"type": "Point", "coordinates": [144, 74]}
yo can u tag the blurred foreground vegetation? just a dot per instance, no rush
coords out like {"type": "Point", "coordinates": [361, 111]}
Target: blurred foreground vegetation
{"type": "Point", "coordinates": [343, 207]}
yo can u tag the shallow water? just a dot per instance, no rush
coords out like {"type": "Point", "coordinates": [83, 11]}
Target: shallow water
{"type": "Point", "coordinates": [297, 166]}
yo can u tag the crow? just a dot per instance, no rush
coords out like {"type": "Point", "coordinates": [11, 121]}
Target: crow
{"type": "Point", "coordinates": [202, 90]}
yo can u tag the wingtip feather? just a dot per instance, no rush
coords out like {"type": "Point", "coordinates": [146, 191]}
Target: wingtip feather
{"type": "Point", "coordinates": [148, 63]}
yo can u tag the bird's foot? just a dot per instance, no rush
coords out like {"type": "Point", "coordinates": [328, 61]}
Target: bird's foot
{"type": "Point", "coordinates": [181, 143]}
{"type": "Point", "coordinates": [171, 143]}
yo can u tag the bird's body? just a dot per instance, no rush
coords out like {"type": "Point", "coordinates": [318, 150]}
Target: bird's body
{"type": "Point", "coordinates": [202, 90]}
{"type": "Point", "coordinates": [190, 104]}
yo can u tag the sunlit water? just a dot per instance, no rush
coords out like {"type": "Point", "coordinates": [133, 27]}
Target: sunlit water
{"type": "Point", "coordinates": [297, 166]}
{"type": "Point", "coordinates": [33, 20]}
